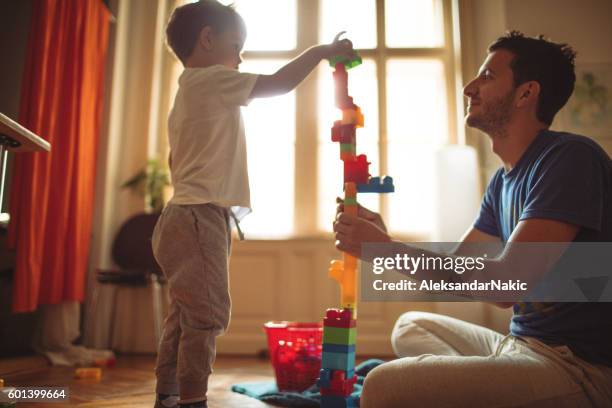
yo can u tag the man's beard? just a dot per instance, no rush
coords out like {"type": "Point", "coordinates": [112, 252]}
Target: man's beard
{"type": "Point", "coordinates": [494, 117]}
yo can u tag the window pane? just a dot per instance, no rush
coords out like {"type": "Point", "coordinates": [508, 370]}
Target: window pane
{"type": "Point", "coordinates": [363, 87]}
{"type": "Point", "coordinates": [270, 132]}
{"type": "Point", "coordinates": [417, 125]}
{"type": "Point", "coordinates": [414, 23]}
{"type": "Point", "coordinates": [411, 205]}
{"type": "Point", "coordinates": [263, 34]}
{"type": "Point", "coordinates": [416, 101]}
{"type": "Point", "coordinates": [356, 17]}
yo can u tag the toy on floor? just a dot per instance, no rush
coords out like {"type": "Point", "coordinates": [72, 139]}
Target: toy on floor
{"type": "Point", "coordinates": [88, 373]}
{"type": "Point", "coordinates": [337, 376]}
{"type": "Point", "coordinates": [295, 352]}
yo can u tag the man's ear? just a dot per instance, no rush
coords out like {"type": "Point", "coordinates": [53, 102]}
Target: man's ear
{"type": "Point", "coordinates": [527, 93]}
{"type": "Point", "coordinates": [205, 38]}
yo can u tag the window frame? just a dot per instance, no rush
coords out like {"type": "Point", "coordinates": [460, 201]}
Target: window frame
{"type": "Point", "coordinates": [306, 126]}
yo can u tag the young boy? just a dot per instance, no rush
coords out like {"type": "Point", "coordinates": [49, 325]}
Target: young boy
{"type": "Point", "coordinates": [192, 238]}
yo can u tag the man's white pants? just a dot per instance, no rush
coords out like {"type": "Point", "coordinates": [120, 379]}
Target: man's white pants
{"type": "Point", "coordinates": [446, 362]}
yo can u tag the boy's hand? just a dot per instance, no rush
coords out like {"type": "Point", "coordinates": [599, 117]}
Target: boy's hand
{"type": "Point", "coordinates": [339, 47]}
{"type": "Point", "coordinates": [289, 76]}
{"type": "Point", "coordinates": [364, 213]}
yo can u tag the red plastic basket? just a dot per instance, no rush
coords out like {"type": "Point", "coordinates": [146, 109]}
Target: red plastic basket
{"type": "Point", "coordinates": [295, 352]}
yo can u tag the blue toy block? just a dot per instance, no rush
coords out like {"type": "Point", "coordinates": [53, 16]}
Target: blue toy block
{"type": "Point", "coordinates": [333, 401]}
{"type": "Point", "coordinates": [375, 185]}
{"type": "Point", "coordinates": [338, 348]}
{"type": "Point", "coordinates": [339, 361]}
{"type": "Point", "coordinates": [324, 380]}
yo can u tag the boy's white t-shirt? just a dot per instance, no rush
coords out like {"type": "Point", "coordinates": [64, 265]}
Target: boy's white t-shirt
{"type": "Point", "coordinates": [207, 140]}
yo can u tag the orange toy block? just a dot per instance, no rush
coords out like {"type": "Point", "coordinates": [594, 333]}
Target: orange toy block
{"type": "Point", "coordinates": [352, 116]}
{"type": "Point", "coordinates": [89, 373]}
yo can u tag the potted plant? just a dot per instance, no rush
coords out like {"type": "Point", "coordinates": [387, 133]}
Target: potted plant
{"type": "Point", "coordinates": [151, 182]}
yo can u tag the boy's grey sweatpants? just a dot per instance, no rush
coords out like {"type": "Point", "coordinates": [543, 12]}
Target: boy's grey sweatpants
{"type": "Point", "coordinates": [192, 244]}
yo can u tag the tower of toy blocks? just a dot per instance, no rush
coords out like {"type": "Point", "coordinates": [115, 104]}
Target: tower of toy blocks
{"type": "Point", "coordinates": [337, 376]}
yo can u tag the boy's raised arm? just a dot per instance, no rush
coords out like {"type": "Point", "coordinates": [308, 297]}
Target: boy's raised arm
{"type": "Point", "coordinates": [289, 76]}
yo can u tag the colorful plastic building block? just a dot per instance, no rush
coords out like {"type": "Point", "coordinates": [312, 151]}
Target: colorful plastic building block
{"type": "Point", "coordinates": [375, 185]}
{"type": "Point", "coordinates": [338, 361]}
{"type": "Point", "coordinates": [343, 100]}
{"type": "Point", "coordinates": [339, 335]}
{"type": "Point", "coordinates": [90, 373]}
{"type": "Point", "coordinates": [356, 171]}
{"type": "Point", "coordinates": [339, 385]}
{"type": "Point", "coordinates": [324, 378]}
{"type": "Point", "coordinates": [350, 199]}
{"type": "Point", "coordinates": [339, 348]}
{"type": "Point", "coordinates": [347, 62]}
{"type": "Point", "coordinates": [339, 318]}
{"type": "Point", "coordinates": [342, 133]}
{"type": "Point", "coordinates": [352, 116]}
{"type": "Point", "coordinates": [344, 272]}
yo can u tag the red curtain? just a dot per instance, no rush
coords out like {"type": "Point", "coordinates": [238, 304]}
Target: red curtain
{"type": "Point", "coordinates": [52, 194]}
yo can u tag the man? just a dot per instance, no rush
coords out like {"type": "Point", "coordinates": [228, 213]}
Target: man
{"type": "Point", "coordinates": [553, 187]}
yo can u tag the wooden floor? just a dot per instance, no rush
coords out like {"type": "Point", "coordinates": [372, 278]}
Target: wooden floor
{"type": "Point", "coordinates": [131, 383]}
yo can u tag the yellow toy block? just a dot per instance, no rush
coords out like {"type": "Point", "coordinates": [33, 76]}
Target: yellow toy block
{"type": "Point", "coordinates": [345, 275]}
{"type": "Point", "coordinates": [352, 116]}
{"type": "Point", "coordinates": [90, 373]}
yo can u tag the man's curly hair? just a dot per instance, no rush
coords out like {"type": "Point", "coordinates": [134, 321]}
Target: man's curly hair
{"type": "Point", "coordinates": [548, 63]}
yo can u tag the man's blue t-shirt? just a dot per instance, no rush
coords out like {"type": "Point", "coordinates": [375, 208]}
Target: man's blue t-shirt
{"type": "Point", "coordinates": [567, 178]}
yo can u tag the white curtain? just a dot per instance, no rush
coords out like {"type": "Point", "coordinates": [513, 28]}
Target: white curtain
{"type": "Point", "coordinates": [138, 86]}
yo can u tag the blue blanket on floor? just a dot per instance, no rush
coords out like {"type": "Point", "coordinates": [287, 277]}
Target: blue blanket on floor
{"type": "Point", "coordinates": [266, 391]}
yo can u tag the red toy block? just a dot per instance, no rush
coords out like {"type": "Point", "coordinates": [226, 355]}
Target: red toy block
{"type": "Point", "coordinates": [339, 318]}
{"type": "Point", "coordinates": [342, 133]}
{"type": "Point", "coordinates": [357, 171]}
{"type": "Point", "coordinates": [341, 87]}
{"type": "Point", "coordinates": [343, 100]}
{"type": "Point", "coordinates": [339, 385]}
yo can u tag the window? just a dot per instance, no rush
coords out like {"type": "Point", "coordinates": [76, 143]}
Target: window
{"type": "Point", "coordinates": [404, 87]}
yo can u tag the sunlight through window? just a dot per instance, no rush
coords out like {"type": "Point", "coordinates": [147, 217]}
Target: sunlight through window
{"type": "Point", "coordinates": [356, 17]}
{"type": "Point", "coordinates": [271, 24]}
{"type": "Point", "coordinates": [413, 23]}
{"type": "Point", "coordinates": [270, 133]}
{"type": "Point", "coordinates": [416, 125]}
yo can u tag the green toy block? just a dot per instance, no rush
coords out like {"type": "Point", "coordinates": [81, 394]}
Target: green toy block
{"type": "Point", "coordinates": [348, 63]}
{"type": "Point", "coordinates": [347, 147]}
{"type": "Point", "coordinates": [339, 335]}
{"type": "Point", "coordinates": [350, 201]}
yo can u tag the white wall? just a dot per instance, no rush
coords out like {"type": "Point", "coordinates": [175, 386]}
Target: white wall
{"type": "Point", "coordinates": [585, 25]}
